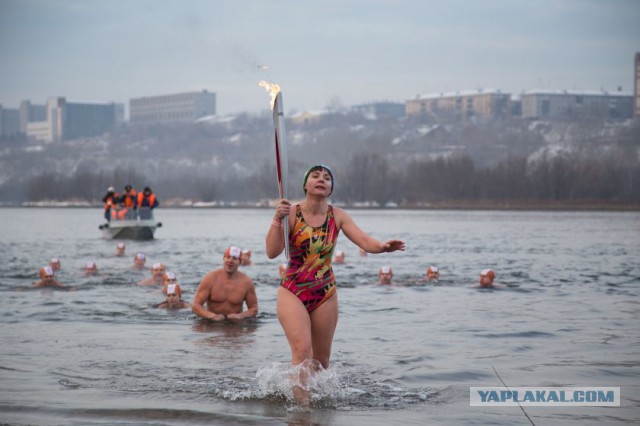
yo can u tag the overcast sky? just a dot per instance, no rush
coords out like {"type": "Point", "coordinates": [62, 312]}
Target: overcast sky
{"type": "Point", "coordinates": [353, 50]}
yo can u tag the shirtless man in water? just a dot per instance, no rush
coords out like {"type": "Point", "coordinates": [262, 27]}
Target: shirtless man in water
{"type": "Point", "coordinates": [47, 278]}
{"type": "Point", "coordinates": [225, 290]}
{"type": "Point", "coordinates": [157, 274]}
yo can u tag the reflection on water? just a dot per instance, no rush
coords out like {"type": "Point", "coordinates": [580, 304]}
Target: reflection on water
{"type": "Point", "coordinates": [227, 335]}
{"type": "Point", "coordinates": [567, 315]}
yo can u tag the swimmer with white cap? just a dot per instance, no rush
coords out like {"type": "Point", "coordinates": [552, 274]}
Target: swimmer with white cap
{"type": "Point", "coordinates": [339, 256]}
{"type": "Point", "coordinates": [433, 273]}
{"type": "Point", "coordinates": [245, 259]}
{"type": "Point", "coordinates": [47, 278]}
{"type": "Point", "coordinates": [120, 248]}
{"type": "Point", "coordinates": [173, 299]}
{"type": "Point", "coordinates": [223, 292]}
{"type": "Point", "coordinates": [486, 278]}
{"type": "Point", "coordinates": [157, 275]}
{"type": "Point", "coordinates": [139, 260]}
{"type": "Point", "coordinates": [90, 268]}
{"type": "Point", "coordinates": [385, 275]}
{"type": "Point", "coordinates": [55, 264]}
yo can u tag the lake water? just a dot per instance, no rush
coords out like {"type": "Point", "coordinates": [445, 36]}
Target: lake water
{"type": "Point", "coordinates": [100, 353]}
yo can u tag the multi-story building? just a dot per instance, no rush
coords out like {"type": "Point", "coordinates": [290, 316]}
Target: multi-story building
{"type": "Point", "coordinates": [177, 108]}
{"type": "Point", "coordinates": [636, 83]}
{"type": "Point", "coordinates": [29, 113]}
{"type": "Point", "coordinates": [50, 129]}
{"type": "Point", "coordinates": [120, 115]}
{"type": "Point", "coordinates": [381, 109]}
{"type": "Point", "coordinates": [462, 105]}
{"type": "Point", "coordinates": [576, 105]}
{"type": "Point", "coordinates": [87, 120]}
{"type": "Point", "coordinates": [69, 120]}
{"type": "Point", "coordinates": [9, 121]}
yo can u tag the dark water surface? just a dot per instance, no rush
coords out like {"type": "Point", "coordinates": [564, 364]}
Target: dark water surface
{"type": "Point", "coordinates": [100, 353]}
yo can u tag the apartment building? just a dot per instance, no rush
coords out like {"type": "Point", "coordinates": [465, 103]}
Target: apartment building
{"type": "Point", "coordinates": [30, 113]}
{"type": "Point", "coordinates": [576, 104]}
{"type": "Point", "coordinates": [381, 109]}
{"type": "Point", "coordinates": [461, 105]}
{"type": "Point", "coordinates": [9, 121]}
{"type": "Point", "coordinates": [71, 120]}
{"type": "Point", "coordinates": [176, 108]}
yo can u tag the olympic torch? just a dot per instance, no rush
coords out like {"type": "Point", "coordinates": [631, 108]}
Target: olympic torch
{"type": "Point", "coordinates": [282, 165]}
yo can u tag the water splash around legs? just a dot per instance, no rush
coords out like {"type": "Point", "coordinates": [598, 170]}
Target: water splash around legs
{"type": "Point", "coordinates": [306, 384]}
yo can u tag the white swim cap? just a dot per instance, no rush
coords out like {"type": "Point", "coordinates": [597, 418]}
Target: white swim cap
{"type": "Point", "coordinates": [233, 251]}
{"type": "Point", "coordinates": [173, 289]}
{"type": "Point", "coordinates": [488, 273]}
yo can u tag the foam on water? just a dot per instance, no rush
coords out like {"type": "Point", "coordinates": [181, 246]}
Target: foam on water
{"type": "Point", "coordinates": [278, 381]}
{"type": "Point", "coordinates": [338, 387]}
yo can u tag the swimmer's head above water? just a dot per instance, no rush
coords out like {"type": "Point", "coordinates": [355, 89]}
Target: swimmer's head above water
{"type": "Point", "coordinates": [231, 259]}
{"type": "Point", "coordinates": [486, 278]}
{"type": "Point", "coordinates": [318, 168]}
{"type": "Point", "coordinates": [245, 257]}
{"type": "Point", "coordinates": [46, 272]}
{"type": "Point", "coordinates": [339, 256]}
{"type": "Point", "coordinates": [90, 268]}
{"type": "Point", "coordinates": [173, 299]}
{"type": "Point", "coordinates": [169, 277]}
{"type": "Point", "coordinates": [139, 260]}
{"type": "Point", "coordinates": [158, 270]}
{"type": "Point", "coordinates": [55, 264]}
{"type": "Point", "coordinates": [385, 275]}
{"type": "Point", "coordinates": [433, 273]}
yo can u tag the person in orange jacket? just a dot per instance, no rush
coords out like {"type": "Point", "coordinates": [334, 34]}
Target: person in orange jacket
{"type": "Point", "coordinates": [147, 201]}
{"type": "Point", "coordinates": [128, 202]}
{"type": "Point", "coordinates": [110, 202]}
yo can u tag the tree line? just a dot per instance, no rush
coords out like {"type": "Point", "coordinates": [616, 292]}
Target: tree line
{"type": "Point", "coordinates": [603, 174]}
{"type": "Point", "coordinates": [611, 177]}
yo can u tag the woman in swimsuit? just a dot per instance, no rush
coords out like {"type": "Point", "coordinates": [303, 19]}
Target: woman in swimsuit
{"type": "Point", "coordinates": [307, 300]}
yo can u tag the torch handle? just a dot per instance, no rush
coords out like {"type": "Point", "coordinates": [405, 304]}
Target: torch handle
{"type": "Point", "coordinates": [282, 165]}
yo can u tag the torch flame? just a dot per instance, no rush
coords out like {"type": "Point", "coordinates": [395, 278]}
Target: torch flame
{"type": "Point", "coordinates": [273, 90]}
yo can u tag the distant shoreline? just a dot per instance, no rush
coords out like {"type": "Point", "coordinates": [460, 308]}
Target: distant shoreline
{"type": "Point", "coordinates": [443, 205]}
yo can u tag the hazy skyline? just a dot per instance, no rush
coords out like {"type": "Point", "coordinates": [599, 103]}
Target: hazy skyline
{"type": "Point", "coordinates": [354, 51]}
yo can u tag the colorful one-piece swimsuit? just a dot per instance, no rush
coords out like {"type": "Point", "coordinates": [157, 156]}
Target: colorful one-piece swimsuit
{"type": "Point", "coordinates": [309, 274]}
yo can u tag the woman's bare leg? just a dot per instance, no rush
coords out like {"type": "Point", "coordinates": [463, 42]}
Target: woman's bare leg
{"type": "Point", "coordinates": [295, 322]}
{"type": "Point", "coordinates": [323, 325]}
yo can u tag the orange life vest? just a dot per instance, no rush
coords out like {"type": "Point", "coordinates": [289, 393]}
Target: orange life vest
{"type": "Point", "coordinates": [152, 199]}
{"type": "Point", "coordinates": [111, 201]}
{"type": "Point", "coordinates": [129, 198]}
